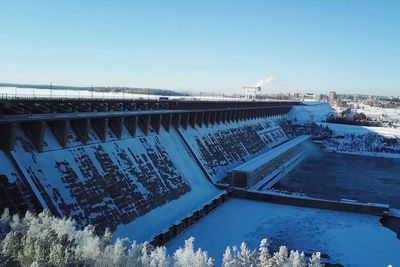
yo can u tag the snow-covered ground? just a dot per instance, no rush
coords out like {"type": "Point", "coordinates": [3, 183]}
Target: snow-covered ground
{"type": "Point", "coordinates": [349, 239]}
{"type": "Point", "coordinates": [392, 114]}
{"type": "Point", "coordinates": [310, 112]}
{"type": "Point", "coordinates": [342, 129]}
{"type": "Point", "coordinates": [369, 141]}
{"type": "Point", "coordinates": [363, 140]}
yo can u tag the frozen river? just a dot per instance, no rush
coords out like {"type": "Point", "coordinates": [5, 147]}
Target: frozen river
{"type": "Point", "coordinates": [335, 176]}
{"type": "Point", "coordinates": [348, 238]}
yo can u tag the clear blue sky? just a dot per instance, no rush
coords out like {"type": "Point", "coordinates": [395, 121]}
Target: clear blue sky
{"type": "Point", "coordinates": [313, 46]}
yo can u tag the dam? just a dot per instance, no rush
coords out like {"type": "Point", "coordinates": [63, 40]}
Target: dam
{"type": "Point", "coordinates": [127, 165]}
{"type": "Point", "coordinates": [164, 170]}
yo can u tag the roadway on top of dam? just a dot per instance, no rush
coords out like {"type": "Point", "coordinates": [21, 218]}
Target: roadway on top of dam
{"type": "Point", "coordinates": [107, 114]}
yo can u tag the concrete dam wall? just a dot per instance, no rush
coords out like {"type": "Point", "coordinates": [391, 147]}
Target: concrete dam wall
{"type": "Point", "coordinates": [223, 147]}
{"type": "Point", "coordinates": [135, 184]}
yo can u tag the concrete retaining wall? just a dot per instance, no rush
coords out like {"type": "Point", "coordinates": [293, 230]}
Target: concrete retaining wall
{"type": "Point", "coordinates": [174, 230]}
{"type": "Point", "coordinates": [366, 208]}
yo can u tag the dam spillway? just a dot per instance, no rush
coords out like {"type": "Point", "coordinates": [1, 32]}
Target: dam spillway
{"type": "Point", "coordinates": [131, 168]}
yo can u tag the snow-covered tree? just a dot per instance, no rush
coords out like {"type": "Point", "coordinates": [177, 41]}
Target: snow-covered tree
{"type": "Point", "coordinates": [228, 260]}
{"type": "Point", "coordinates": [315, 260]}
{"type": "Point", "coordinates": [280, 258]}
{"type": "Point", "coordinates": [5, 221]}
{"type": "Point", "coordinates": [297, 259]}
{"type": "Point", "coordinates": [186, 256]}
{"type": "Point", "coordinates": [264, 256]}
{"type": "Point", "coordinates": [245, 256]}
{"type": "Point", "coordinates": [45, 240]}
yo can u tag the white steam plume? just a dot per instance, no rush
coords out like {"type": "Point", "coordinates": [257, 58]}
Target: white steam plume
{"type": "Point", "coordinates": [265, 81]}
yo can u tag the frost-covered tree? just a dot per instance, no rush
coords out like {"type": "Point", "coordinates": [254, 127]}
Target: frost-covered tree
{"type": "Point", "coordinates": [315, 260]}
{"type": "Point", "coordinates": [297, 259]}
{"type": "Point", "coordinates": [264, 256]}
{"type": "Point", "coordinates": [245, 256]}
{"type": "Point", "coordinates": [45, 240]}
{"type": "Point", "coordinates": [280, 258]}
{"type": "Point", "coordinates": [228, 260]}
{"type": "Point", "coordinates": [5, 221]}
{"type": "Point", "coordinates": [186, 256]}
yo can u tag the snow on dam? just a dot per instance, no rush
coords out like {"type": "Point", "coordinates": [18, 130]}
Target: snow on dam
{"type": "Point", "coordinates": [220, 148]}
{"type": "Point", "coordinates": [136, 186]}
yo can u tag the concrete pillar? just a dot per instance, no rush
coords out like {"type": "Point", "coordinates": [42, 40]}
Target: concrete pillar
{"type": "Point", "coordinates": [144, 123]}
{"type": "Point", "coordinates": [155, 121]}
{"type": "Point", "coordinates": [218, 117]}
{"type": "Point", "coordinates": [35, 132]}
{"type": "Point", "coordinates": [206, 118]}
{"type": "Point", "coordinates": [249, 114]}
{"type": "Point", "coordinates": [230, 116]}
{"type": "Point", "coordinates": [7, 136]}
{"type": "Point", "coordinates": [246, 114]}
{"type": "Point", "coordinates": [213, 117]}
{"type": "Point", "coordinates": [100, 127]}
{"type": "Point", "coordinates": [224, 114]}
{"type": "Point", "coordinates": [167, 120]}
{"type": "Point", "coordinates": [185, 120]}
{"type": "Point", "coordinates": [176, 119]}
{"type": "Point", "coordinates": [235, 115]}
{"type": "Point", "coordinates": [60, 130]}
{"type": "Point", "coordinates": [253, 113]}
{"type": "Point", "coordinates": [116, 125]}
{"type": "Point", "coordinates": [131, 123]}
{"type": "Point", "coordinates": [192, 119]}
{"type": "Point", "coordinates": [81, 128]}
{"type": "Point", "coordinates": [200, 117]}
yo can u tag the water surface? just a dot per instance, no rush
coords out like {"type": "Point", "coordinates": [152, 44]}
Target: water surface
{"type": "Point", "coordinates": [334, 176]}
